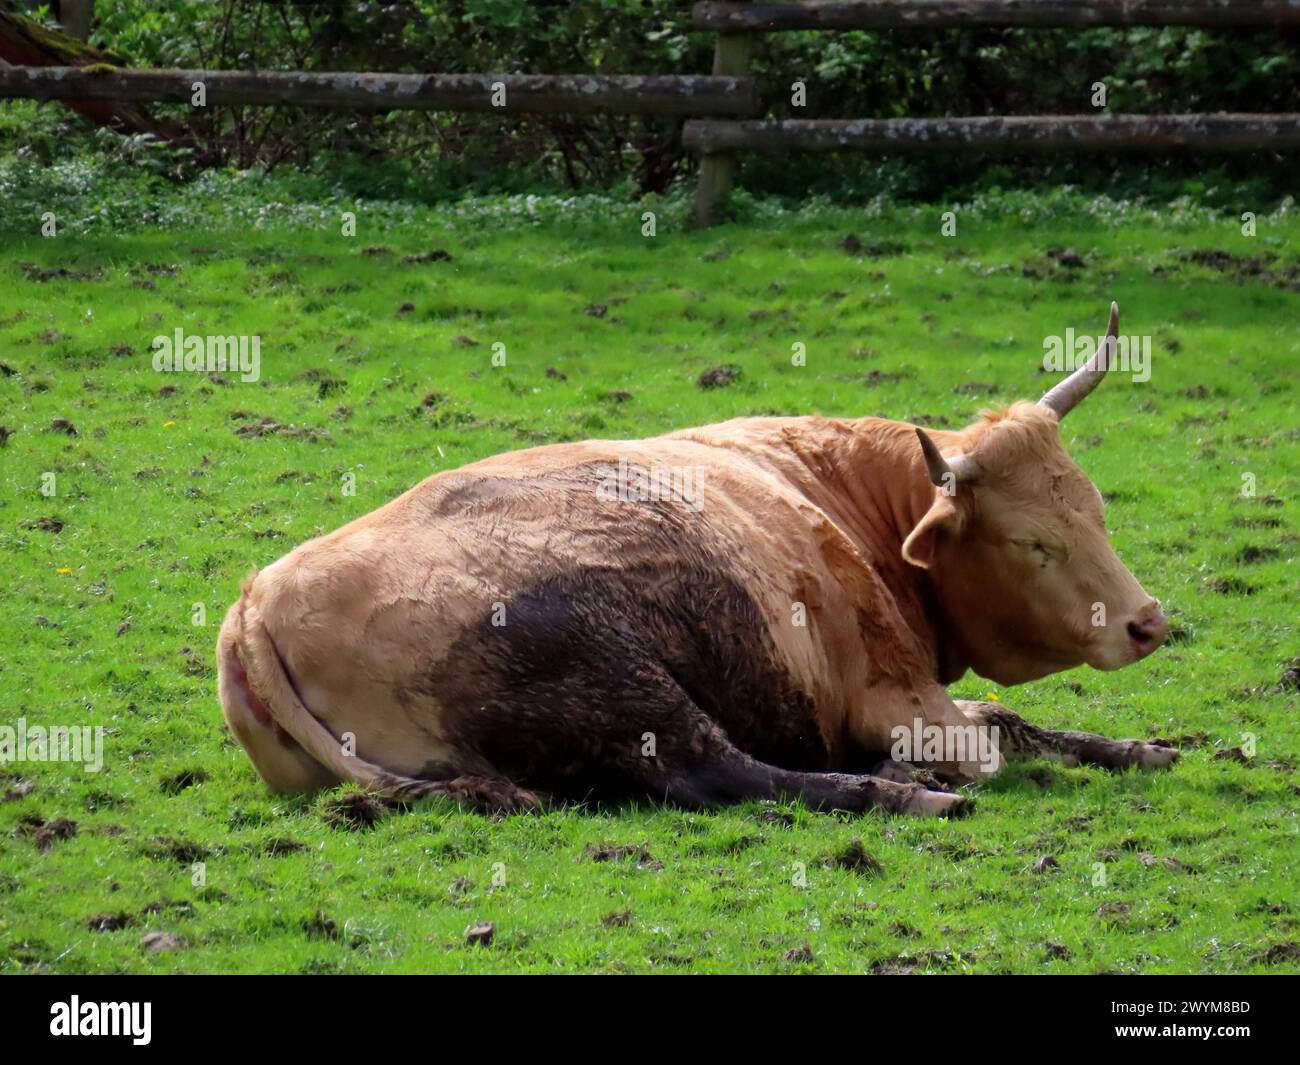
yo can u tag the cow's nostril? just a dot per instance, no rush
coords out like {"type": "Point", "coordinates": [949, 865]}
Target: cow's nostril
{"type": "Point", "coordinates": [1138, 633]}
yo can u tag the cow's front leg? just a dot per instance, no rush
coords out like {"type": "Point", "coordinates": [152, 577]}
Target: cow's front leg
{"type": "Point", "coordinates": [1017, 738]}
{"type": "Point", "coordinates": [922, 729]}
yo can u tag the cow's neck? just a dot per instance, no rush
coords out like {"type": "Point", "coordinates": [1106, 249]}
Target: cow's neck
{"type": "Point", "coordinates": [869, 476]}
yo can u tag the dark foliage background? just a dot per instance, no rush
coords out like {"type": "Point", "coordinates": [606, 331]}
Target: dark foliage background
{"type": "Point", "coordinates": [433, 156]}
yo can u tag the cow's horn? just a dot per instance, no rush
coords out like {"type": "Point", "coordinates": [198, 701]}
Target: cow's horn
{"type": "Point", "coordinates": [961, 467]}
{"type": "Point", "coordinates": [1067, 394]}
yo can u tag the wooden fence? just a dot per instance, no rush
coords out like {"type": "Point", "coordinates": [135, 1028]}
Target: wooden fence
{"type": "Point", "coordinates": [722, 108]}
{"type": "Point", "coordinates": [741, 25]}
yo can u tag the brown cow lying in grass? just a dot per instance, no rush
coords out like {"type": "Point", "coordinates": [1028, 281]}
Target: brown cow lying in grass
{"type": "Point", "coordinates": [741, 611]}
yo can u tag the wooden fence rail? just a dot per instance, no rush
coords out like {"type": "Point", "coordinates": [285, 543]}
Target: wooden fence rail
{"type": "Point", "coordinates": [1028, 133]}
{"type": "Point", "coordinates": [938, 14]}
{"type": "Point", "coordinates": [542, 94]}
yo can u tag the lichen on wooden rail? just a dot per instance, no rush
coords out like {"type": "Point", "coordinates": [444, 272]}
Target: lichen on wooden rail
{"type": "Point", "coordinates": [1020, 133]}
{"type": "Point", "coordinates": [933, 14]}
{"type": "Point", "coordinates": [677, 94]}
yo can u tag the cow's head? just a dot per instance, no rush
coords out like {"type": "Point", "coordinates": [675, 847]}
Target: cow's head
{"type": "Point", "coordinates": [1016, 544]}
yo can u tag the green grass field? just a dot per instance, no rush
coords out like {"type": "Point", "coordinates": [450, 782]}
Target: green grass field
{"type": "Point", "coordinates": [169, 487]}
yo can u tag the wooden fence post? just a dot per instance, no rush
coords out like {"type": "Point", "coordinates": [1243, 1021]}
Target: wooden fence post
{"type": "Point", "coordinates": [718, 169]}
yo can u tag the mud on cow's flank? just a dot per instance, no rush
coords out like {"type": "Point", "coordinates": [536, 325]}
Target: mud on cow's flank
{"type": "Point", "coordinates": [168, 860]}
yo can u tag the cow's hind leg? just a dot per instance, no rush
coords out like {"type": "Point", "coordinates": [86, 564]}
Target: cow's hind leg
{"type": "Point", "coordinates": [727, 775]}
{"type": "Point", "coordinates": [640, 726]}
{"type": "Point", "coordinates": [1017, 738]}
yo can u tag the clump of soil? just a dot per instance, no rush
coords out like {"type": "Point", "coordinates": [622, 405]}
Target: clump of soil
{"type": "Point", "coordinates": [270, 427]}
{"type": "Point", "coordinates": [1278, 953]}
{"type": "Point", "coordinates": [854, 857]}
{"type": "Point", "coordinates": [355, 812]}
{"type": "Point", "coordinates": [58, 273]}
{"type": "Point", "coordinates": [158, 942]}
{"type": "Point", "coordinates": [1067, 257]}
{"type": "Point", "coordinates": [719, 376]}
{"type": "Point", "coordinates": [110, 922]}
{"type": "Point", "coordinates": [1232, 754]}
{"type": "Point", "coordinates": [881, 249]}
{"type": "Point", "coordinates": [438, 255]}
{"type": "Point", "coordinates": [183, 851]}
{"type": "Point", "coordinates": [45, 833]}
{"type": "Point", "coordinates": [1241, 268]}
{"type": "Point", "coordinates": [186, 778]}
{"type": "Point", "coordinates": [480, 934]}
{"type": "Point", "coordinates": [277, 847]}
{"type": "Point", "coordinates": [20, 789]}
{"type": "Point", "coordinates": [1290, 679]}
{"type": "Point", "coordinates": [609, 853]}
{"type": "Point", "coordinates": [319, 926]}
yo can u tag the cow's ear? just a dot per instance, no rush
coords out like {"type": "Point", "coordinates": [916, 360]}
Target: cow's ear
{"type": "Point", "coordinates": [918, 548]}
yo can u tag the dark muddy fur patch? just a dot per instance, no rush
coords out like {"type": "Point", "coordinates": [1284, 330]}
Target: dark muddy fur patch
{"type": "Point", "coordinates": [652, 643]}
{"type": "Point", "coordinates": [599, 672]}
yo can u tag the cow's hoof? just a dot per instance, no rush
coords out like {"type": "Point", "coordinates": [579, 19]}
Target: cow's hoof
{"type": "Point", "coordinates": [1158, 754]}
{"type": "Point", "coordinates": [926, 803]}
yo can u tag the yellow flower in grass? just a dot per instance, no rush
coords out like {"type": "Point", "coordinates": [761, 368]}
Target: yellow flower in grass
{"type": "Point", "coordinates": [994, 697]}
{"type": "Point", "coordinates": [168, 424]}
{"type": "Point", "coordinates": [64, 569]}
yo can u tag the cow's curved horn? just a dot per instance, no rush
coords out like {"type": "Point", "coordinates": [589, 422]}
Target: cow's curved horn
{"type": "Point", "coordinates": [1066, 395]}
{"type": "Point", "coordinates": [962, 467]}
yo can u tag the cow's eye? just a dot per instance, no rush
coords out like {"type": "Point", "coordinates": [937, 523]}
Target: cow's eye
{"type": "Point", "coordinates": [1037, 548]}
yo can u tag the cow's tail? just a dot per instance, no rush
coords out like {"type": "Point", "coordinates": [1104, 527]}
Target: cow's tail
{"type": "Point", "coordinates": [252, 673]}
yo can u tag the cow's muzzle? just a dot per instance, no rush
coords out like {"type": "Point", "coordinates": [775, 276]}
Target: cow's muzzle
{"type": "Point", "coordinates": [1148, 630]}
